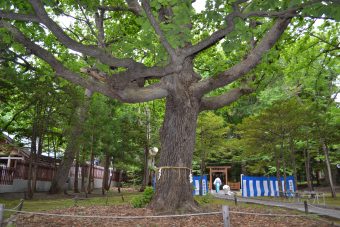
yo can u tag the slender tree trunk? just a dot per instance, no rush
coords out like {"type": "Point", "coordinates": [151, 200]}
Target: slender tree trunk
{"type": "Point", "coordinates": [278, 172]}
{"type": "Point", "coordinates": [173, 188]}
{"type": "Point", "coordinates": [90, 173]}
{"type": "Point", "coordinates": [61, 176]}
{"type": "Point", "coordinates": [307, 169]}
{"type": "Point", "coordinates": [31, 161]}
{"type": "Point", "coordinates": [284, 175]}
{"type": "Point", "coordinates": [146, 148]}
{"type": "Point", "coordinates": [146, 169]}
{"type": "Point", "coordinates": [293, 163]}
{"type": "Point", "coordinates": [76, 173]}
{"type": "Point", "coordinates": [105, 185]}
{"type": "Point", "coordinates": [36, 158]}
{"type": "Point", "coordinates": [328, 165]}
{"type": "Point", "coordinates": [83, 175]}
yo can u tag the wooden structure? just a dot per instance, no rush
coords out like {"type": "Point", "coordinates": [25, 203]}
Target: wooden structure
{"type": "Point", "coordinates": [218, 169]}
{"type": "Point", "coordinates": [14, 163]}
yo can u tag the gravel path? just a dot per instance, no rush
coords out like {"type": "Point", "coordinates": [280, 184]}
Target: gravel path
{"type": "Point", "coordinates": [296, 206]}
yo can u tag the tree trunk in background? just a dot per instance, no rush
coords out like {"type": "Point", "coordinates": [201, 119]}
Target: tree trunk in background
{"type": "Point", "coordinates": [61, 176]}
{"type": "Point", "coordinates": [36, 158]}
{"type": "Point", "coordinates": [293, 163]}
{"type": "Point", "coordinates": [31, 161]}
{"type": "Point", "coordinates": [173, 188]}
{"type": "Point", "coordinates": [83, 175]}
{"type": "Point", "coordinates": [105, 185]}
{"type": "Point", "coordinates": [307, 169]}
{"type": "Point", "coordinates": [146, 169]}
{"type": "Point", "coordinates": [146, 148]}
{"type": "Point", "coordinates": [284, 175]}
{"type": "Point", "coordinates": [278, 173]}
{"type": "Point", "coordinates": [76, 173]}
{"type": "Point", "coordinates": [328, 165]}
{"type": "Point", "coordinates": [90, 173]}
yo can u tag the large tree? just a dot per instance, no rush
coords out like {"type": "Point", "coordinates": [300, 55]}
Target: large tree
{"type": "Point", "coordinates": [140, 52]}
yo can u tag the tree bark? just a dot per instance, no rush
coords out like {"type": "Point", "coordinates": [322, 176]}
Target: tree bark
{"type": "Point", "coordinates": [105, 185]}
{"type": "Point", "coordinates": [76, 173]}
{"type": "Point", "coordinates": [293, 163]}
{"type": "Point", "coordinates": [173, 189]}
{"type": "Point", "coordinates": [33, 149]}
{"type": "Point", "coordinates": [328, 165]}
{"type": "Point", "coordinates": [90, 173]}
{"type": "Point", "coordinates": [146, 148]}
{"type": "Point", "coordinates": [307, 169]}
{"type": "Point", "coordinates": [61, 176]}
{"type": "Point", "coordinates": [278, 173]}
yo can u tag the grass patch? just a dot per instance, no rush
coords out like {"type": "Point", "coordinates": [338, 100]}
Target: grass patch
{"type": "Point", "coordinates": [112, 198]}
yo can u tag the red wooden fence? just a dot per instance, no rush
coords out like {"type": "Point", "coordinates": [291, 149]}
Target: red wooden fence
{"type": "Point", "coordinates": [6, 175]}
{"type": "Point", "coordinates": [44, 173]}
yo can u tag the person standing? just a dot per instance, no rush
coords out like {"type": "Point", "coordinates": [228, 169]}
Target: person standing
{"type": "Point", "coordinates": [217, 183]}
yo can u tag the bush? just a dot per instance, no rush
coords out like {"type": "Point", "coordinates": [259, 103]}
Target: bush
{"type": "Point", "coordinates": [144, 199]}
{"type": "Point", "coordinates": [204, 199]}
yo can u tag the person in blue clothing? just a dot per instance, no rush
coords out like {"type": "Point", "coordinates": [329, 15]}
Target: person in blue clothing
{"type": "Point", "coordinates": [217, 183]}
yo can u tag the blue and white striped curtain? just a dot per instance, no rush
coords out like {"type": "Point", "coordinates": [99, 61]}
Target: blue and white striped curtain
{"type": "Point", "coordinates": [264, 186]}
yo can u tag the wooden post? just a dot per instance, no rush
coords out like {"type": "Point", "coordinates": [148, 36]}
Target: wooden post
{"type": "Point", "coordinates": [306, 206]}
{"type": "Point", "coordinates": [1, 213]}
{"type": "Point", "coordinates": [226, 218]}
{"type": "Point", "coordinates": [235, 199]}
{"type": "Point", "coordinates": [21, 204]}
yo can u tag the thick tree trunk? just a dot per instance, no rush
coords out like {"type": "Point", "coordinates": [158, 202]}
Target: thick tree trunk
{"type": "Point", "coordinates": [173, 188]}
{"type": "Point", "coordinates": [61, 176]}
{"type": "Point", "coordinates": [329, 171]}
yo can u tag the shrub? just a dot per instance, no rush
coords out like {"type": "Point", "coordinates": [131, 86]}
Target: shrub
{"type": "Point", "coordinates": [143, 199]}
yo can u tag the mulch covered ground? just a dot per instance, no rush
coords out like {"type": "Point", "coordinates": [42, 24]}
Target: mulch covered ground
{"type": "Point", "coordinates": [127, 210]}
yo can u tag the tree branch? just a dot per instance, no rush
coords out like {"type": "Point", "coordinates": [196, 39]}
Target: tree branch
{"type": "Point", "coordinates": [53, 62]}
{"type": "Point", "coordinates": [17, 16]}
{"type": "Point", "coordinates": [158, 30]}
{"type": "Point", "coordinates": [93, 51]}
{"type": "Point", "coordinates": [212, 103]}
{"type": "Point", "coordinates": [120, 8]}
{"type": "Point", "coordinates": [214, 38]}
{"type": "Point", "coordinates": [252, 59]}
{"type": "Point", "coordinates": [126, 94]}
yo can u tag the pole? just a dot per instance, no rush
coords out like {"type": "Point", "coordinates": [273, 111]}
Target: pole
{"type": "Point", "coordinates": [235, 199]}
{"type": "Point", "coordinates": [306, 206]}
{"type": "Point", "coordinates": [226, 218]}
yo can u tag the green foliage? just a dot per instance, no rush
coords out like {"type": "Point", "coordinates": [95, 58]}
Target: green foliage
{"type": "Point", "coordinates": [144, 199]}
{"type": "Point", "coordinates": [205, 199]}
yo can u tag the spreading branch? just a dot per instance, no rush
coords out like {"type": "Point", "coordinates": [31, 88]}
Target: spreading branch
{"type": "Point", "coordinates": [93, 51]}
{"type": "Point", "coordinates": [128, 94]}
{"type": "Point", "coordinates": [17, 16]}
{"type": "Point", "coordinates": [158, 30]}
{"type": "Point", "coordinates": [213, 38]}
{"type": "Point", "coordinates": [213, 103]}
{"type": "Point", "coordinates": [252, 59]}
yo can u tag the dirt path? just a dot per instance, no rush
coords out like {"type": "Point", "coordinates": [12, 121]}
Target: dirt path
{"type": "Point", "coordinates": [296, 206]}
